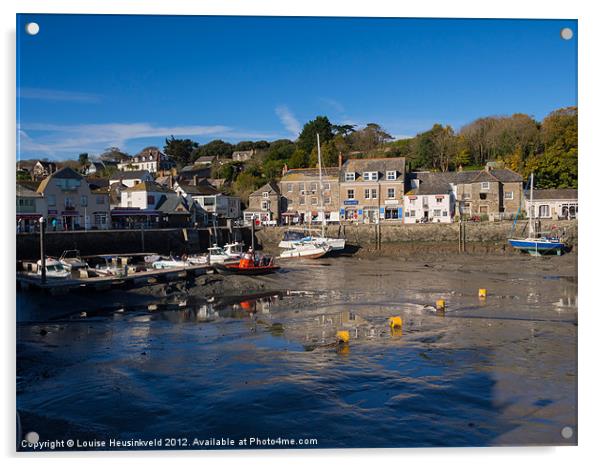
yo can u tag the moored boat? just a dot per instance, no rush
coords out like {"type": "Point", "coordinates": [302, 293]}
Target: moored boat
{"type": "Point", "coordinates": [71, 260]}
{"type": "Point", "coordinates": [537, 244]}
{"type": "Point", "coordinates": [54, 269]}
{"type": "Point", "coordinates": [170, 263]}
{"type": "Point", "coordinates": [306, 250]}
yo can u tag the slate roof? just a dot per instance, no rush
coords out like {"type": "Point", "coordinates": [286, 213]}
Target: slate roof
{"type": "Point", "coordinates": [63, 173]}
{"type": "Point", "coordinates": [130, 175]}
{"type": "Point", "coordinates": [431, 183]}
{"type": "Point", "coordinates": [170, 204]}
{"type": "Point", "coordinates": [555, 194]}
{"type": "Point", "coordinates": [504, 175]}
{"type": "Point", "coordinates": [149, 186]}
{"type": "Point", "coordinates": [271, 187]}
{"type": "Point", "coordinates": [24, 190]}
{"type": "Point", "coordinates": [380, 165]}
{"type": "Point", "coordinates": [294, 174]}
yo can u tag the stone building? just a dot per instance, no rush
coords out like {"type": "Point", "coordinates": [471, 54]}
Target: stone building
{"type": "Point", "coordinates": [302, 199]}
{"type": "Point", "coordinates": [372, 190]}
{"type": "Point", "coordinates": [493, 192]}
{"type": "Point", "coordinates": [265, 204]}
{"type": "Point", "coordinates": [557, 204]}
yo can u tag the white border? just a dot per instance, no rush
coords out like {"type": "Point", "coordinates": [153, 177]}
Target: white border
{"type": "Point", "coordinates": [590, 121]}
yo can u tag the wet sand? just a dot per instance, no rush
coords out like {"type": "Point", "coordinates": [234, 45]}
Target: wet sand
{"type": "Point", "coordinates": [243, 356]}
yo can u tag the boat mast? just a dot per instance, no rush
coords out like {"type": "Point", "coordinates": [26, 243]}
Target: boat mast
{"type": "Point", "coordinates": [321, 186]}
{"type": "Point", "coordinates": [531, 209]}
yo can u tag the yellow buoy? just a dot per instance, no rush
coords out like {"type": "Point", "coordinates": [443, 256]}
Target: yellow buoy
{"type": "Point", "coordinates": [343, 336]}
{"type": "Point", "coordinates": [395, 322]}
{"type": "Point", "coordinates": [482, 293]}
{"type": "Point", "coordinates": [440, 305]}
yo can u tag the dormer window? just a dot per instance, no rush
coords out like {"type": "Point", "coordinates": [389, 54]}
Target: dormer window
{"type": "Point", "coordinates": [370, 176]}
{"type": "Point", "coordinates": [391, 175]}
{"type": "Point", "coordinates": [266, 194]}
{"type": "Point", "coordinates": [350, 176]}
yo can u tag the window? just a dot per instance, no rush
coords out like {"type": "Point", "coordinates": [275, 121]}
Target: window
{"type": "Point", "coordinates": [391, 193]}
{"type": "Point", "coordinates": [314, 201]}
{"type": "Point", "coordinates": [374, 195]}
{"type": "Point", "coordinates": [326, 200]}
{"type": "Point", "coordinates": [326, 186]}
{"type": "Point", "coordinates": [509, 195]}
{"type": "Point", "coordinates": [313, 186]}
{"type": "Point", "coordinates": [439, 200]}
{"type": "Point", "coordinates": [437, 213]}
{"type": "Point", "coordinates": [483, 209]}
{"type": "Point", "coordinates": [84, 201]}
{"type": "Point", "coordinates": [265, 205]}
{"type": "Point", "coordinates": [366, 194]}
{"type": "Point", "coordinates": [483, 196]}
{"type": "Point", "coordinates": [445, 213]}
{"type": "Point", "coordinates": [100, 219]}
{"type": "Point", "coordinates": [370, 176]}
{"type": "Point", "coordinates": [266, 194]}
{"type": "Point", "coordinates": [391, 175]}
{"type": "Point", "coordinates": [412, 213]}
{"type": "Point", "coordinates": [150, 200]}
{"type": "Point", "coordinates": [391, 214]}
{"type": "Point", "coordinates": [289, 187]}
{"type": "Point", "coordinates": [544, 210]}
{"type": "Point", "coordinates": [302, 200]}
{"type": "Point", "coordinates": [350, 194]}
{"type": "Point", "coordinates": [68, 203]}
{"type": "Point", "coordinates": [350, 176]}
{"type": "Point", "coordinates": [302, 187]}
{"type": "Point", "coordinates": [485, 185]}
{"type": "Point", "coordinates": [51, 200]}
{"type": "Point", "coordinates": [465, 195]}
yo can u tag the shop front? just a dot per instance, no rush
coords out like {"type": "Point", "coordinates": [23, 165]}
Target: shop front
{"type": "Point", "coordinates": [28, 223]}
{"type": "Point", "coordinates": [134, 218]}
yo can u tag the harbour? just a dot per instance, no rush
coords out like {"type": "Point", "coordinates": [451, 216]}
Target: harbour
{"type": "Point", "coordinates": [240, 356]}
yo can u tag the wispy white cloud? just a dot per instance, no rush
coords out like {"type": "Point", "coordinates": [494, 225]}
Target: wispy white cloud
{"type": "Point", "coordinates": [66, 140]}
{"type": "Point", "coordinates": [57, 95]}
{"type": "Point", "coordinates": [333, 104]}
{"type": "Point", "coordinates": [288, 120]}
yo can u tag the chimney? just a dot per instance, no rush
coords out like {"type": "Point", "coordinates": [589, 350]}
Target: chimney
{"type": "Point", "coordinates": [340, 159]}
{"type": "Point", "coordinates": [284, 169]}
{"type": "Point", "coordinates": [195, 180]}
{"type": "Point", "coordinates": [170, 181]}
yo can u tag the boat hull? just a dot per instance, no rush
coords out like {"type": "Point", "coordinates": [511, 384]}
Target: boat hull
{"type": "Point", "coordinates": [234, 269]}
{"type": "Point", "coordinates": [535, 247]}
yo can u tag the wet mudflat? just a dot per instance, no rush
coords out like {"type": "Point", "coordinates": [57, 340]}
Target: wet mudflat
{"type": "Point", "coordinates": [212, 360]}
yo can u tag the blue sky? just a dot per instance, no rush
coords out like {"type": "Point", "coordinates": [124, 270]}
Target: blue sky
{"type": "Point", "coordinates": [89, 82]}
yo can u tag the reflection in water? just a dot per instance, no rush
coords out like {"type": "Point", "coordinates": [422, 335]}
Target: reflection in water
{"type": "Point", "coordinates": [496, 372]}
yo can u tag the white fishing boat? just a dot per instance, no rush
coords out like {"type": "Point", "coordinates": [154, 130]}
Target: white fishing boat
{"type": "Point", "coordinates": [54, 269]}
{"type": "Point", "coordinates": [110, 268]}
{"type": "Point", "coordinates": [234, 250]}
{"type": "Point", "coordinates": [170, 263]}
{"type": "Point", "coordinates": [215, 255]}
{"type": "Point", "coordinates": [307, 250]}
{"type": "Point", "coordinates": [71, 260]}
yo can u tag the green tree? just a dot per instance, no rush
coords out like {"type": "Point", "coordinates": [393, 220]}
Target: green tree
{"type": "Point", "coordinates": [281, 149]}
{"type": "Point", "coordinates": [215, 148]}
{"type": "Point", "coordinates": [84, 160]}
{"type": "Point", "coordinates": [180, 150]}
{"type": "Point", "coordinates": [299, 159]}
{"type": "Point", "coordinates": [307, 139]}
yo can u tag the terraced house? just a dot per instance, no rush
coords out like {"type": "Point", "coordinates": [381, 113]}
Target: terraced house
{"type": "Point", "coordinates": [491, 193]}
{"type": "Point", "coordinates": [302, 199]}
{"type": "Point", "coordinates": [372, 190]}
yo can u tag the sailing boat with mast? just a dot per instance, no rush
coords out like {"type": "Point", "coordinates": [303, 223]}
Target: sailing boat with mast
{"type": "Point", "coordinates": [294, 238]}
{"type": "Point", "coordinates": [537, 244]}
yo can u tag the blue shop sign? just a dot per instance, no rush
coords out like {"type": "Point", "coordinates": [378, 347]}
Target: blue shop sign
{"type": "Point", "coordinates": [350, 202]}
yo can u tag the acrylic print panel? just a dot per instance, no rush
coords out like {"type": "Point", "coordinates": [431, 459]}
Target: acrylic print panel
{"type": "Point", "coordinates": [196, 271]}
